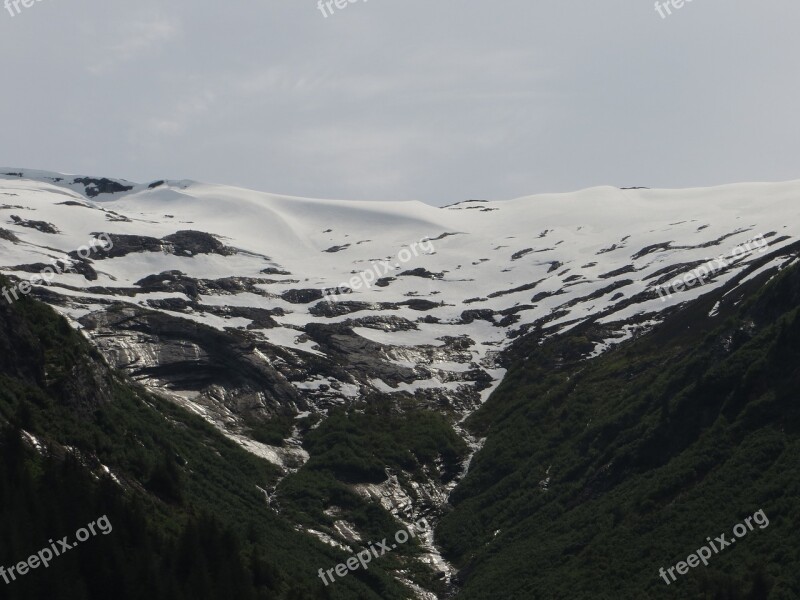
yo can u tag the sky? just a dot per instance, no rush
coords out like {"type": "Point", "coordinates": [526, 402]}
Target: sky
{"type": "Point", "coordinates": [436, 100]}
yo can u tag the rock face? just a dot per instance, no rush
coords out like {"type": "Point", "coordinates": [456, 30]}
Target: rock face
{"type": "Point", "coordinates": [42, 226]}
{"type": "Point", "coordinates": [222, 299]}
{"type": "Point", "coordinates": [232, 309]}
{"type": "Point", "coordinates": [95, 187]}
{"type": "Point", "coordinates": [224, 368]}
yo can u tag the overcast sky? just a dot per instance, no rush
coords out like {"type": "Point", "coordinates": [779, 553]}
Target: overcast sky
{"type": "Point", "coordinates": [435, 100]}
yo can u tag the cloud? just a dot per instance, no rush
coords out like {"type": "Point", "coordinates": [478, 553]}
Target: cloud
{"type": "Point", "coordinates": [134, 40]}
{"type": "Point", "coordinates": [440, 101]}
{"type": "Point", "coordinates": [181, 115]}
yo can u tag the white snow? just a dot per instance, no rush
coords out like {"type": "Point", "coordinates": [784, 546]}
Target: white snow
{"type": "Point", "coordinates": [561, 248]}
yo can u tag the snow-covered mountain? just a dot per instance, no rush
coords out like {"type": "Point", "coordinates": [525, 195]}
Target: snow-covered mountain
{"type": "Point", "coordinates": [251, 308]}
{"type": "Point", "coordinates": [425, 298]}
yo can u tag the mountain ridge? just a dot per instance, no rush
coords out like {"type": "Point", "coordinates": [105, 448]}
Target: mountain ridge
{"type": "Point", "coordinates": [219, 299]}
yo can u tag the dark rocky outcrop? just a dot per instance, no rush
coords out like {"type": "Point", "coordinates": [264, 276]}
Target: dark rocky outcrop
{"type": "Point", "coordinates": [305, 296]}
{"type": "Point", "coordinates": [420, 272]}
{"type": "Point", "coordinates": [179, 354]}
{"type": "Point", "coordinates": [7, 235]}
{"type": "Point", "coordinates": [95, 187]}
{"type": "Point", "coordinates": [197, 242]}
{"type": "Point", "coordinates": [42, 226]}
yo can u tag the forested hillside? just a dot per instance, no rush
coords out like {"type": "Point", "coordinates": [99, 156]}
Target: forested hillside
{"type": "Point", "coordinates": [597, 473]}
{"type": "Point", "coordinates": [189, 520]}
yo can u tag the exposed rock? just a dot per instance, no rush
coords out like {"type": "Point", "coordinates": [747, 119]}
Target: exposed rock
{"type": "Point", "coordinates": [95, 187]}
{"type": "Point", "coordinates": [482, 314]}
{"type": "Point", "coordinates": [521, 253]}
{"type": "Point", "coordinates": [176, 281]}
{"type": "Point", "coordinates": [274, 271]}
{"type": "Point", "coordinates": [383, 322]}
{"type": "Point", "coordinates": [420, 304]}
{"type": "Point", "coordinates": [420, 272]}
{"type": "Point", "coordinates": [521, 288]}
{"type": "Point", "coordinates": [42, 226]}
{"type": "Point", "coordinates": [617, 272]}
{"type": "Point", "coordinates": [222, 369]}
{"type": "Point", "coordinates": [306, 296]}
{"type": "Point", "coordinates": [122, 245]}
{"type": "Point", "coordinates": [345, 307]}
{"type": "Point", "coordinates": [337, 248]}
{"type": "Point", "coordinates": [7, 235]}
{"type": "Point", "coordinates": [197, 242]}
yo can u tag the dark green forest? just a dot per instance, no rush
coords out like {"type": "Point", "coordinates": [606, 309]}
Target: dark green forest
{"type": "Point", "coordinates": [597, 473]}
{"type": "Point", "coordinates": [189, 518]}
{"type": "Point", "coordinates": [594, 474]}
